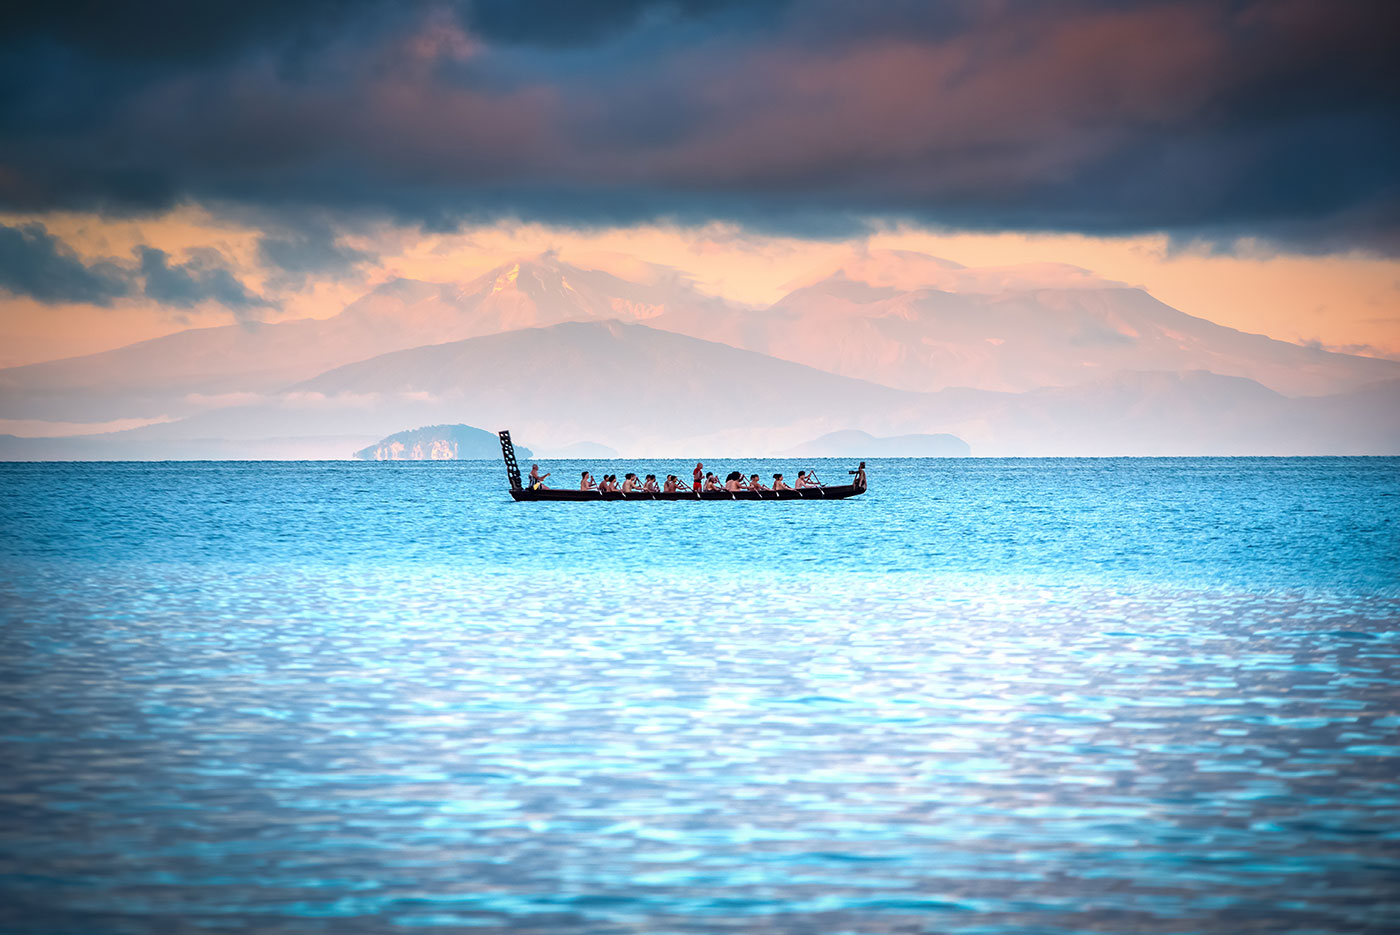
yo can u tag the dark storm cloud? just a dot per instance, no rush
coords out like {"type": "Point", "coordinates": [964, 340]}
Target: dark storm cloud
{"type": "Point", "coordinates": [202, 278]}
{"type": "Point", "coordinates": [310, 248]}
{"type": "Point", "coordinates": [1203, 119]}
{"type": "Point", "coordinates": [36, 264]}
{"type": "Point", "coordinates": [175, 30]}
{"type": "Point", "coordinates": [573, 23]}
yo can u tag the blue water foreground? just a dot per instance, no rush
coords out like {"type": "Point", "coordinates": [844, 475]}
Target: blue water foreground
{"type": "Point", "coordinates": [990, 696]}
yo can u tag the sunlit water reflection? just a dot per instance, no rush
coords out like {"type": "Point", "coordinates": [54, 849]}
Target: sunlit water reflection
{"type": "Point", "coordinates": [990, 696]}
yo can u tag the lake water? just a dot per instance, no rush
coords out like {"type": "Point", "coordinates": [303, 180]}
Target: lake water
{"type": "Point", "coordinates": [990, 696]}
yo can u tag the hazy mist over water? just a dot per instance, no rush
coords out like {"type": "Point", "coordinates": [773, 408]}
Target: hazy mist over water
{"type": "Point", "coordinates": [1038, 695]}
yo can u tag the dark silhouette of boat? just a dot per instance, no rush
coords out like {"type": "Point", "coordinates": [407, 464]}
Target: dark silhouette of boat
{"type": "Point", "coordinates": [522, 493]}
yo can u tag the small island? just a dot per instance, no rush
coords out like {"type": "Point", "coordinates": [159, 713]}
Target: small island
{"type": "Point", "coordinates": [438, 443]}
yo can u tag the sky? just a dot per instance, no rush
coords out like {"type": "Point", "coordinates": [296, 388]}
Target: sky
{"type": "Point", "coordinates": [166, 165]}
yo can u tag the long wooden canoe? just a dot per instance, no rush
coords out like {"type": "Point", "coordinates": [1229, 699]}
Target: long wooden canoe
{"type": "Point", "coordinates": [554, 495]}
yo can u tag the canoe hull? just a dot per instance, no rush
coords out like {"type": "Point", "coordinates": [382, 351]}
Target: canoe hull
{"type": "Point", "coordinates": [592, 496]}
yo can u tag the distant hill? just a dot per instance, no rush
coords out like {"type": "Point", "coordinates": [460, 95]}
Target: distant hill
{"type": "Point", "coordinates": [655, 392]}
{"type": "Point", "coordinates": [659, 394]}
{"type": "Point", "coordinates": [916, 323]}
{"type": "Point", "coordinates": [663, 392]}
{"type": "Point", "coordinates": [853, 443]}
{"type": "Point", "coordinates": [438, 443]}
{"type": "Point", "coordinates": [182, 373]}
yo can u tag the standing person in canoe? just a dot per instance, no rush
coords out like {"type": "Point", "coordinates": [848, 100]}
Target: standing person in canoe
{"type": "Point", "coordinates": [536, 478]}
{"type": "Point", "coordinates": [859, 479]}
{"type": "Point", "coordinates": [699, 475]}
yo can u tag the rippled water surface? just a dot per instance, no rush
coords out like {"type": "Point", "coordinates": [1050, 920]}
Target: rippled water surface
{"type": "Point", "coordinates": [1033, 696]}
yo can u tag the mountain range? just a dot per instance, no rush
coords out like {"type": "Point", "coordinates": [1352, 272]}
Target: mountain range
{"type": "Point", "coordinates": [1021, 330]}
{"type": "Point", "coordinates": [1025, 360]}
{"type": "Point", "coordinates": [204, 367]}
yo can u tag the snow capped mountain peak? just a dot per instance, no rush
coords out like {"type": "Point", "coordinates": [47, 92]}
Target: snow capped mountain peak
{"type": "Point", "coordinates": [507, 278]}
{"type": "Point", "coordinates": [526, 292]}
{"type": "Point", "coordinates": [542, 277]}
{"type": "Point", "coordinates": [542, 290]}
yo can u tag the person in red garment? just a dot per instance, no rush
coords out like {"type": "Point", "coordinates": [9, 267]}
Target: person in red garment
{"type": "Point", "coordinates": [699, 475]}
